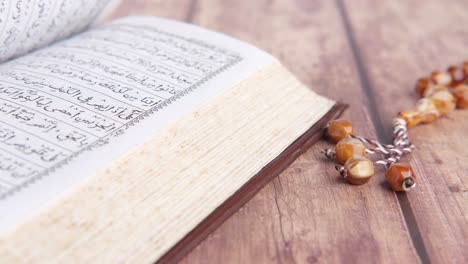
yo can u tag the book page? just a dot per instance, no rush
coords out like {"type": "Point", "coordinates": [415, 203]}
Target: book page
{"type": "Point", "coordinates": [69, 110]}
{"type": "Point", "coordinates": [30, 24]}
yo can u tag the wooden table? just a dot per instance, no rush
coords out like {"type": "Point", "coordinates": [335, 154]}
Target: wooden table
{"type": "Point", "coordinates": [369, 54]}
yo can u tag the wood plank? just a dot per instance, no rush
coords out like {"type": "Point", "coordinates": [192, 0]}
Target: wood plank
{"type": "Point", "coordinates": [400, 41]}
{"type": "Point", "coordinates": [308, 214]}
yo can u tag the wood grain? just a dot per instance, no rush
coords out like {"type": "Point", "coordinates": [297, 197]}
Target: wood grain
{"type": "Point", "coordinates": [400, 41]}
{"type": "Point", "coordinates": [307, 214]}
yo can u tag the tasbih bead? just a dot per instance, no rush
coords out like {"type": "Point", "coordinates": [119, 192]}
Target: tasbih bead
{"type": "Point", "coordinates": [427, 110]}
{"type": "Point", "coordinates": [347, 148]}
{"type": "Point", "coordinates": [359, 170]}
{"type": "Point", "coordinates": [411, 117]}
{"type": "Point", "coordinates": [461, 94]}
{"type": "Point", "coordinates": [444, 101]}
{"type": "Point", "coordinates": [442, 78]}
{"type": "Point", "coordinates": [401, 177]}
{"type": "Point", "coordinates": [339, 129]}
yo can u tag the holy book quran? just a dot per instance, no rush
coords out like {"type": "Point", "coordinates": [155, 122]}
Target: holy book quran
{"type": "Point", "coordinates": [130, 141]}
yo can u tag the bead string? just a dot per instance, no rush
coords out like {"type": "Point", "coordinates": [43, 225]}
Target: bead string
{"type": "Point", "coordinates": [393, 153]}
{"type": "Point", "coordinates": [401, 146]}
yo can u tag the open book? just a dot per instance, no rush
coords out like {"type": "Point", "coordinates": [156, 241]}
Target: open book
{"type": "Point", "coordinates": [119, 142]}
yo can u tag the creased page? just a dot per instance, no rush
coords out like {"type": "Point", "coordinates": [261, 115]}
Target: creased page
{"type": "Point", "coordinates": [29, 24]}
{"type": "Point", "coordinates": [68, 110]}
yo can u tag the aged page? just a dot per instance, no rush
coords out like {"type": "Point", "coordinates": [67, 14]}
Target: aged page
{"type": "Point", "coordinates": [28, 24]}
{"type": "Point", "coordinates": [68, 110]}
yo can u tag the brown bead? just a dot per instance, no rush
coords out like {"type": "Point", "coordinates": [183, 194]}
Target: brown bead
{"type": "Point", "coordinates": [461, 94]}
{"type": "Point", "coordinates": [359, 170]}
{"type": "Point", "coordinates": [339, 129]}
{"type": "Point", "coordinates": [444, 101]}
{"type": "Point", "coordinates": [421, 85]}
{"type": "Point", "coordinates": [427, 110]}
{"type": "Point", "coordinates": [401, 177]}
{"type": "Point", "coordinates": [411, 117]}
{"type": "Point", "coordinates": [434, 88]}
{"type": "Point", "coordinates": [442, 78]}
{"type": "Point", "coordinates": [347, 148]}
{"type": "Point", "coordinates": [458, 75]}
